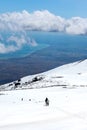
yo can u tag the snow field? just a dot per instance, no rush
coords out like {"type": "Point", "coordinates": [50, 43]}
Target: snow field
{"type": "Point", "coordinates": [66, 89]}
{"type": "Point", "coordinates": [67, 109]}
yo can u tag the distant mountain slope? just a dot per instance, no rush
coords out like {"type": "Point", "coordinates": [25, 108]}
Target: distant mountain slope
{"type": "Point", "coordinates": [67, 76]}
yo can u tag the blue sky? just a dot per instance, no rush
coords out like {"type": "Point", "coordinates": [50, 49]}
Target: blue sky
{"type": "Point", "coordinates": [64, 8]}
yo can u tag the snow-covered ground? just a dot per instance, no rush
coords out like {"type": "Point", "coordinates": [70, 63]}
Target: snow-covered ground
{"type": "Point", "coordinates": [67, 109]}
{"type": "Point", "coordinates": [22, 108]}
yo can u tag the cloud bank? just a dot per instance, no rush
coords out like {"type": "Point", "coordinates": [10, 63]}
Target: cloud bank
{"type": "Point", "coordinates": [20, 22]}
{"type": "Point", "coordinates": [6, 49]}
{"type": "Point", "coordinates": [42, 21]}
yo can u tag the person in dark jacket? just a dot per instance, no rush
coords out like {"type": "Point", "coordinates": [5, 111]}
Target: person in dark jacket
{"type": "Point", "coordinates": [47, 101]}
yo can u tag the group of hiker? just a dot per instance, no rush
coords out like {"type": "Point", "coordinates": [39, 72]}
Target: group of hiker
{"type": "Point", "coordinates": [46, 101]}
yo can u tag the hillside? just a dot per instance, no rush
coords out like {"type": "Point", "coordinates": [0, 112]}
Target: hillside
{"type": "Point", "coordinates": [67, 76]}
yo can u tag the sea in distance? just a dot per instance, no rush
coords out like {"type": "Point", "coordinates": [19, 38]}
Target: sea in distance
{"type": "Point", "coordinates": [52, 49]}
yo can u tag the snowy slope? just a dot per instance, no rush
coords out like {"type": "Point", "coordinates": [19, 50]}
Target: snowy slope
{"type": "Point", "coordinates": [70, 75]}
{"type": "Point", "coordinates": [67, 109]}
{"type": "Point", "coordinates": [25, 109]}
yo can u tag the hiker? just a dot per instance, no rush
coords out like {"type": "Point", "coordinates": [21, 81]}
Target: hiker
{"type": "Point", "coordinates": [47, 101]}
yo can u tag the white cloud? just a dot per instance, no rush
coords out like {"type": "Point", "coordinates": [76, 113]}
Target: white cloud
{"type": "Point", "coordinates": [18, 40]}
{"type": "Point", "coordinates": [6, 49]}
{"type": "Point", "coordinates": [15, 42]}
{"type": "Point", "coordinates": [42, 20]}
{"type": "Point", "coordinates": [32, 42]}
{"type": "Point", "coordinates": [21, 40]}
{"type": "Point", "coordinates": [76, 25]}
